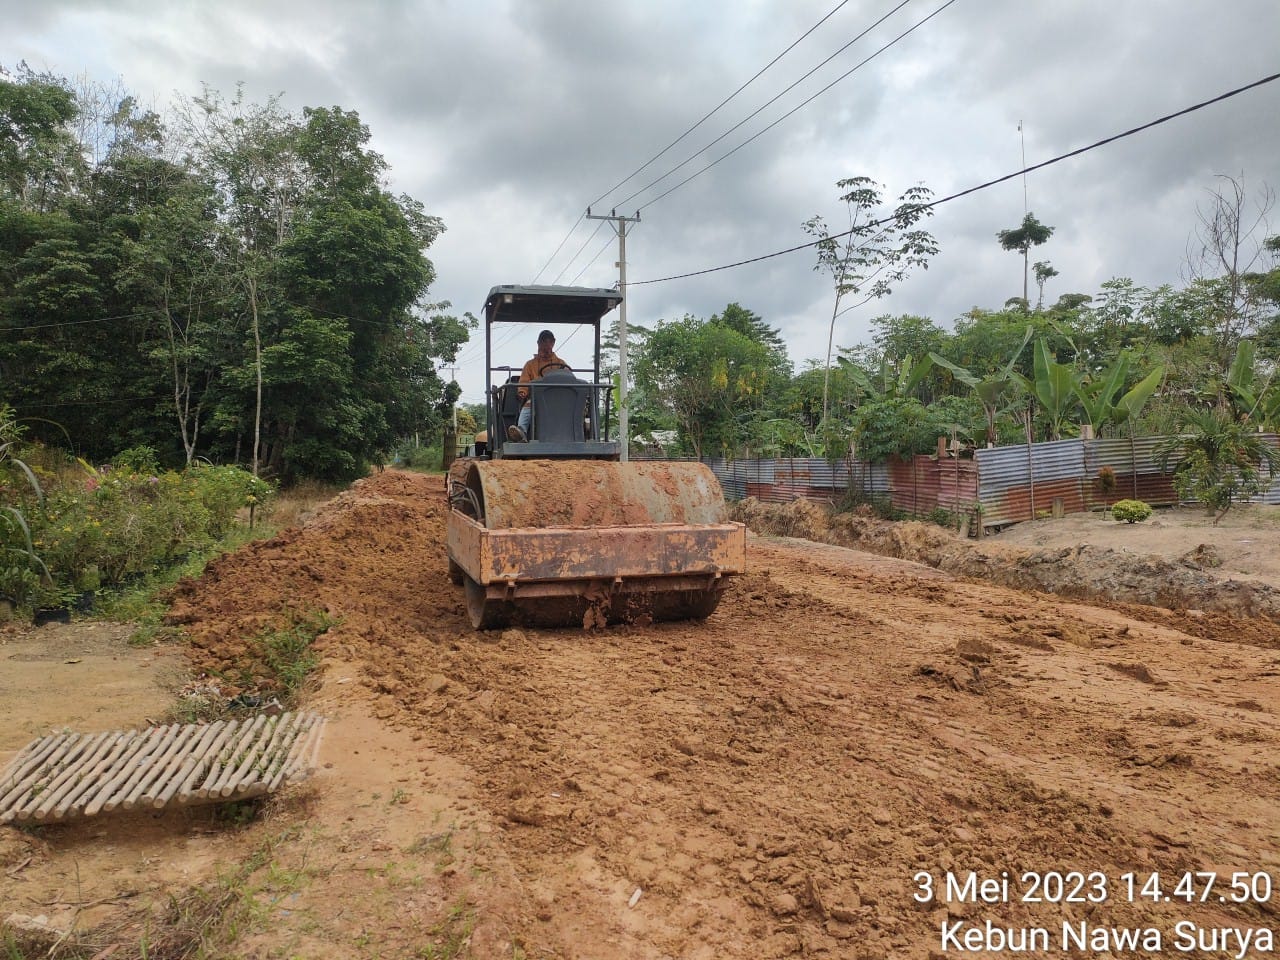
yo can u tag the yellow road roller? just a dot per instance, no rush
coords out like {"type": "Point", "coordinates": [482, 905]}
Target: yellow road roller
{"type": "Point", "coordinates": [549, 527]}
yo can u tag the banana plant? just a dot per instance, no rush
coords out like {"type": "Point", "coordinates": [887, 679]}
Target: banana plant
{"type": "Point", "coordinates": [990, 390]}
{"type": "Point", "coordinates": [1098, 397]}
{"type": "Point", "coordinates": [1249, 400]}
{"type": "Point", "coordinates": [1054, 386]}
{"type": "Point", "coordinates": [1127, 407]}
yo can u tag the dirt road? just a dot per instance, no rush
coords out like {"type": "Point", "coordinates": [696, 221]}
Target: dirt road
{"type": "Point", "coordinates": [776, 781]}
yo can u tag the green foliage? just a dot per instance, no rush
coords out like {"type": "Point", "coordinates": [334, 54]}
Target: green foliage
{"type": "Point", "coordinates": [1251, 398]}
{"type": "Point", "coordinates": [710, 378]}
{"type": "Point", "coordinates": [1030, 234]}
{"type": "Point", "coordinates": [896, 426]}
{"type": "Point", "coordinates": [120, 524]}
{"type": "Point", "coordinates": [1130, 511]}
{"type": "Point", "coordinates": [875, 254]}
{"type": "Point", "coordinates": [141, 459]}
{"type": "Point", "coordinates": [415, 457]}
{"type": "Point", "coordinates": [269, 260]}
{"type": "Point", "coordinates": [1219, 461]}
{"type": "Point", "coordinates": [992, 390]}
{"type": "Point", "coordinates": [1054, 386]}
{"type": "Point", "coordinates": [22, 571]}
{"type": "Point", "coordinates": [287, 652]}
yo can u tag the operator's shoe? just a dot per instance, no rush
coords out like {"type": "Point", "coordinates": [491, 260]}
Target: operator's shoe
{"type": "Point", "coordinates": [515, 433]}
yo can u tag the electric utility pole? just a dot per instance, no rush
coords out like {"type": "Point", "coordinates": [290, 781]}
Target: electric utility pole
{"type": "Point", "coordinates": [620, 228]}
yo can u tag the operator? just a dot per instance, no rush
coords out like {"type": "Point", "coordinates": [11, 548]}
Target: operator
{"type": "Point", "coordinates": [544, 360]}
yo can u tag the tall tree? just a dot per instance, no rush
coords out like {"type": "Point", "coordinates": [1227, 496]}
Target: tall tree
{"type": "Point", "coordinates": [1030, 234]}
{"type": "Point", "coordinates": [874, 254]}
{"type": "Point", "coordinates": [711, 378]}
{"type": "Point", "coordinates": [1227, 252]}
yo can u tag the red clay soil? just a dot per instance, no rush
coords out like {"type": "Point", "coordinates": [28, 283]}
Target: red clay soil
{"type": "Point", "coordinates": [771, 782]}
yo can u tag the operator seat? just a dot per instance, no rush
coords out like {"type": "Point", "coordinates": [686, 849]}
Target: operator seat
{"type": "Point", "coordinates": [508, 404]}
{"type": "Point", "coordinates": [558, 403]}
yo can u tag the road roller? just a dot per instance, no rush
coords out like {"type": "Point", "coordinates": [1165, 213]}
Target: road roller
{"type": "Point", "coordinates": [550, 527]}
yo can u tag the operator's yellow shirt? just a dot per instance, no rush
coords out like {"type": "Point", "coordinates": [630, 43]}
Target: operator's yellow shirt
{"type": "Point", "coordinates": [533, 371]}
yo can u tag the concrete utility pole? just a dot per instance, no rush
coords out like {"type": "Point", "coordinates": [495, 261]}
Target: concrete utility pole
{"type": "Point", "coordinates": [620, 228]}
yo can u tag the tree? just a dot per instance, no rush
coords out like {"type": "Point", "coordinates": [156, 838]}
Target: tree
{"type": "Point", "coordinates": [237, 283]}
{"type": "Point", "coordinates": [1097, 394]}
{"type": "Point", "coordinates": [1044, 272]}
{"type": "Point", "coordinates": [1250, 399]}
{"type": "Point", "coordinates": [991, 390]}
{"type": "Point", "coordinates": [1053, 386]}
{"type": "Point", "coordinates": [1218, 461]}
{"type": "Point", "coordinates": [709, 377]}
{"type": "Point", "coordinates": [1227, 253]}
{"type": "Point", "coordinates": [749, 324]}
{"type": "Point", "coordinates": [1030, 234]}
{"type": "Point", "coordinates": [39, 159]}
{"type": "Point", "coordinates": [875, 254]}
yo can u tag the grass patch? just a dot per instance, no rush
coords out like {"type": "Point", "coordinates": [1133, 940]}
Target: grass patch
{"type": "Point", "coordinates": [143, 601]}
{"type": "Point", "coordinates": [200, 923]}
{"type": "Point", "coordinates": [287, 652]}
{"type": "Point", "coordinates": [451, 936]}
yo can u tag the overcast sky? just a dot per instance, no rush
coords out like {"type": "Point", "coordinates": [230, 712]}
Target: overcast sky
{"type": "Point", "coordinates": [507, 119]}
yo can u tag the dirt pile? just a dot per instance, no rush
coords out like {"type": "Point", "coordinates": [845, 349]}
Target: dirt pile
{"type": "Point", "coordinates": [772, 782]}
{"type": "Point", "coordinates": [1185, 583]}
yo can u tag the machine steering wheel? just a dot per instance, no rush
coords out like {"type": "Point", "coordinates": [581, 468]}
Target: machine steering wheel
{"type": "Point", "coordinates": [553, 365]}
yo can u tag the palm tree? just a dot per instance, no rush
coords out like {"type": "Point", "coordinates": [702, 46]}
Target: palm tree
{"type": "Point", "coordinates": [1219, 461]}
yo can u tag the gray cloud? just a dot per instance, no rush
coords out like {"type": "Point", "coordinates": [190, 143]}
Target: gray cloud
{"type": "Point", "coordinates": [508, 118]}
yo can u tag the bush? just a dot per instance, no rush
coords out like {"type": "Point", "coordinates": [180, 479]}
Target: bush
{"type": "Point", "coordinates": [420, 458]}
{"type": "Point", "coordinates": [119, 523]}
{"type": "Point", "coordinates": [1131, 511]}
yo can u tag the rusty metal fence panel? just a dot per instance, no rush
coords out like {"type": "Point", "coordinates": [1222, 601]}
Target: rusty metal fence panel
{"type": "Point", "coordinates": [795, 478]}
{"type": "Point", "coordinates": [1007, 484]}
{"type": "Point", "coordinates": [1020, 482]}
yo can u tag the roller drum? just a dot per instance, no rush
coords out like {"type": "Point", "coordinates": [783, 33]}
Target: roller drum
{"type": "Point", "coordinates": [594, 493]}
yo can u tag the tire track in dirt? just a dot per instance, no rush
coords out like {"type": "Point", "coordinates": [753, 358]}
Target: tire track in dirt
{"type": "Point", "coordinates": [771, 779]}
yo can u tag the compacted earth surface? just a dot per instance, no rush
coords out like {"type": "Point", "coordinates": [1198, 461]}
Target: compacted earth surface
{"type": "Point", "coordinates": [914, 752]}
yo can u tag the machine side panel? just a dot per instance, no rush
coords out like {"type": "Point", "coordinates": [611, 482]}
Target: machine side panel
{"type": "Point", "coordinates": [467, 545]}
{"type": "Point", "coordinates": [532, 554]}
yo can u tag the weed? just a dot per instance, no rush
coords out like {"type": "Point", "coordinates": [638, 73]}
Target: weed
{"type": "Point", "coordinates": [432, 843]}
{"type": "Point", "coordinates": [863, 503]}
{"type": "Point", "coordinates": [239, 813]}
{"type": "Point", "coordinates": [287, 652]}
{"type": "Point", "coordinates": [451, 937]}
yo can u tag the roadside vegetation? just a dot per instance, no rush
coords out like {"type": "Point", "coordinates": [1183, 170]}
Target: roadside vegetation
{"type": "Point", "coordinates": [156, 296]}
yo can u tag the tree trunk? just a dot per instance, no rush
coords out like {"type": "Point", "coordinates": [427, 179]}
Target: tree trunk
{"type": "Point", "coordinates": [180, 388]}
{"type": "Point", "coordinates": [257, 362]}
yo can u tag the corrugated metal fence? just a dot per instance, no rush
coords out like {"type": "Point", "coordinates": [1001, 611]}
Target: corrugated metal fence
{"type": "Point", "coordinates": [1004, 484]}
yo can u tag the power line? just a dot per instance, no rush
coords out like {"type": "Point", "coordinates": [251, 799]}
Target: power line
{"type": "Point", "coordinates": [982, 186]}
{"type": "Point", "coordinates": [563, 269]}
{"type": "Point", "coordinates": [723, 102]}
{"type": "Point", "coordinates": [123, 316]}
{"type": "Point", "coordinates": [599, 252]}
{"type": "Point", "coordinates": [558, 248]}
{"type": "Point", "coordinates": [689, 159]}
{"type": "Point", "coordinates": [799, 106]}
{"type": "Point", "coordinates": [687, 132]}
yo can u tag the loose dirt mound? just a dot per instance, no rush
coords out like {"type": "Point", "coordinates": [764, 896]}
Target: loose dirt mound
{"type": "Point", "coordinates": [1187, 582]}
{"type": "Point", "coordinates": [772, 782]}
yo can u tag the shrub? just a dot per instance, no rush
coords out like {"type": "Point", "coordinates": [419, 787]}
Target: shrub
{"type": "Point", "coordinates": [119, 523]}
{"type": "Point", "coordinates": [1131, 511]}
{"type": "Point", "coordinates": [1107, 480]}
{"type": "Point", "coordinates": [138, 459]}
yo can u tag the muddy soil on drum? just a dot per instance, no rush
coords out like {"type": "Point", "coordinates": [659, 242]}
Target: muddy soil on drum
{"type": "Point", "coordinates": [769, 782]}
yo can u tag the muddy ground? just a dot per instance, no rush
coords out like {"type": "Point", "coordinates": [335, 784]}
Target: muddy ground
{"type": "Point", "coordinates": [768, 783]}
